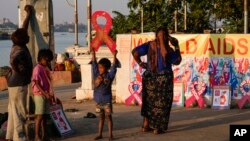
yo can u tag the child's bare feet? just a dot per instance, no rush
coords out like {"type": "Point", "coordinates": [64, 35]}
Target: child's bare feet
{"type": "Point", "coordinates": [111, 138]}
{"type": "Point", "coordinates": [47, 139]}
{"type": "Point", "coordinates": [98, 137]}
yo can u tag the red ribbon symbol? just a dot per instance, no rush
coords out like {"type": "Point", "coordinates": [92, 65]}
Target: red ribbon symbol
{"type": "Point", "coordinates": [102, 33]}
{"type": "Point", "coordinates": [196, 94]}
{"type": "Point", "coordinates": [246, 93]}
{"type": "Point", "coordinates": [135, 88]}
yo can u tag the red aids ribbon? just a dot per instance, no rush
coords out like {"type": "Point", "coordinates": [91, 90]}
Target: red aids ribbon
{"type": "Point", "coordinates": [135, 88]}
{"type": "Point", "coordinates": [102, 33]}
{"type": "Point", "coordinates": [196, 94]}
{"type": "Point", "coordinates": [245, 89]}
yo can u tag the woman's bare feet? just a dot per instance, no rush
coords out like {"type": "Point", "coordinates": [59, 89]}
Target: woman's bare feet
{"type": "Point", "coordinates": [98, 137]}
{"type": "Point", "coordinates": [37, 139]}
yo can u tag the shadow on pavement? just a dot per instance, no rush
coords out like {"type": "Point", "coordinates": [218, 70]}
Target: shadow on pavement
{"type": "Point", "coordinates": [200, 118]}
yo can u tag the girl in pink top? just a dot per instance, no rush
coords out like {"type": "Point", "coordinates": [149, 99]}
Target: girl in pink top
{"type": "Point", "coordinates": [42, 91]}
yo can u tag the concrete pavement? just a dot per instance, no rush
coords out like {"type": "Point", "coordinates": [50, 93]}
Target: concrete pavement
{"type": "Point", "coordinates": [191, 124]}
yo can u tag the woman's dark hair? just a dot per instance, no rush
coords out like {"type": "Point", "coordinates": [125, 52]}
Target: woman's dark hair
{"type": "Point", "coordinates": [20, 37]}
{"type": "Point", "coordinates": [45, 53]}
{"type": "Point", "coordinates": [105, 62]}
{"type": "Point", "coordinates": [165, 30]}
{"type": "Point", "coordinates": [166, 36]}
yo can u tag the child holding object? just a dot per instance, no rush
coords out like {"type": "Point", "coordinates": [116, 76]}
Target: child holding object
{"type": "Point", "coordinates": [104, 74]}
{"type": "Point", "coordinates": [41, 87]}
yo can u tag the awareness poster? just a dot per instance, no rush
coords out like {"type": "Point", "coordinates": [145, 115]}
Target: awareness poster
{"type": "Point", "coordinates": [135, 71]}
{"type": "Point", "coordinates": [60, 120]}
{"type": "Point", "coordinates": [207, 60]}
{"type": "Point", "coordinates": [178, 99]}
{"type": "Point", "coordinates": [213, 60]}
{"type": "Point", "coordinates": [221, 97]}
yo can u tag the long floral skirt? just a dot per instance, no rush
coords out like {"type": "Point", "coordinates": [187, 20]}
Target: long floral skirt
{"type": "Point", "coordinates": [157, 98]}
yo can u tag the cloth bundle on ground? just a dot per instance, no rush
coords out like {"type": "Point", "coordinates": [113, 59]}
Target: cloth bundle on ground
{"type": "Point", "coordinates": [90, 115]}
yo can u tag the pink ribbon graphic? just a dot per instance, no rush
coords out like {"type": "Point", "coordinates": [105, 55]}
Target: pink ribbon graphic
{"type": "Point", "coordinates": [102, 33]}
{"type": "Point", "coordinates": [135, 88]}
{"type": "Point", "coordinates": [196, 94]}
{"type": "Point", "coordinates": [246, 93]}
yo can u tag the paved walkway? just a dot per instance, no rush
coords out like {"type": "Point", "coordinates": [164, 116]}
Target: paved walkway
{"type": "Point", "coordinates": [191, 124]}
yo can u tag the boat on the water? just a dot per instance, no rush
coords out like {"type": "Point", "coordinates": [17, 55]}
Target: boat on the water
{"type": "Point", "coordinates": [4, 36]}
{"type": "Point", "coordinates": [5, 33]}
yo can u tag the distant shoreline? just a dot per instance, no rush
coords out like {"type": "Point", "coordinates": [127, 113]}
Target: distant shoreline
{"type": "Point", "coordinates": [62, 41]}
{"type": "Point", "coordinates": [4, 36]}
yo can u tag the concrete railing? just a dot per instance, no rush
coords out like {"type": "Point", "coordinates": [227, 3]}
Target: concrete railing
{"type": "Point", "coordinates": [58, 78]}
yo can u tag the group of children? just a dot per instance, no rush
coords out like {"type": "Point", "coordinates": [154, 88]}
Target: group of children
{"type": "Point", "coordinates": [21, 73]}
{"type": "Point", "coordinates": [103, 75]}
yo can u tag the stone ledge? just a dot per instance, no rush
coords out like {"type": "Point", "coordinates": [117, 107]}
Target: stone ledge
{"type": "Point", "coordinates": [58, 78]}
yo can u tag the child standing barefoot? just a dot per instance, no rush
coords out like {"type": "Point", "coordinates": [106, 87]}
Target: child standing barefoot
{"type": "Point", "coordinates": [104, 75]}
{"type": "Point", "coordinates": [42, 91]}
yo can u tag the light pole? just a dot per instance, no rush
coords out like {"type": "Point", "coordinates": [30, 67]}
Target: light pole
{"type": "Point", "coordinates": [176, 19]}
{"type": "Point", "coordinates": [89, 23]}
{"type": "Point", "coordinates": [245, 17]}
{"type": "Point", "coordinates": [185, 15]}
{"type": "Point", "coordinates": [76, 20]}
{"type": "Point", "coordinates": [76, 23]}
{"type": "Point", "coordinates": [142, 19]}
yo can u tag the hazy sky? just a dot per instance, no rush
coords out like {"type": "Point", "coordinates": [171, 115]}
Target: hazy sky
{"type": "Point", "coordinates": [63, 12]}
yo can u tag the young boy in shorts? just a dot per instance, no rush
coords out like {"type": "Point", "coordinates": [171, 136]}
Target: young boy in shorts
{"type": "Point", "coordinates": [104, 74]}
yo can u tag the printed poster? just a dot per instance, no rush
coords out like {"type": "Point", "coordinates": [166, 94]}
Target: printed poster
{"type": "Point", "coordinates": [178, 99]}
{"type": "Point", "coordinates": [60, 120]}
{"type": "Point", "coordinates": [221, 97]}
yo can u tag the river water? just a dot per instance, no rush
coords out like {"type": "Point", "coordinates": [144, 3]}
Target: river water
{"type": "Point", "coordinates": [62, 41]}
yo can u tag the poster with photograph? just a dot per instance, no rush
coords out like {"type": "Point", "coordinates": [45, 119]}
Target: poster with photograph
{"type": "Point", "coordinates": [221, 97]}
{"type": "Point", "coordinates": [60, 120]}
{"type": "Point", "coordinates": [178, 99]}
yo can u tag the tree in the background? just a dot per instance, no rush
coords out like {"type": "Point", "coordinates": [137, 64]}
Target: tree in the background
{"type": "Point", "coordinates": [206, 14]}
{"type": "Point", "coordinates": [231, 13]}
{"type": "Point", "coordinates": [201, 15]}
{"type": "Point", "coordinates": [124, 24]}
{"type": "Point", "coordinates": [119, 24]}
{"type": "Point", "coordinates": [136, 4]}
{"type": "Point", "coordinates": [155, 12]}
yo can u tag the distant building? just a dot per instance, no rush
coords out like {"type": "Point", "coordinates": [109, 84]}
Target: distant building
{"type": "Point", "coordinates": [6, 28]}
{"type": "Point", "coordinates": [4, 21]}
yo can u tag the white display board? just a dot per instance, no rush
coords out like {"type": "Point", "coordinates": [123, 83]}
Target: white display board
{"type": "Point", "coordinates": [60, 120]}
{"type": "Point", "coordinates": [221, 98]}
